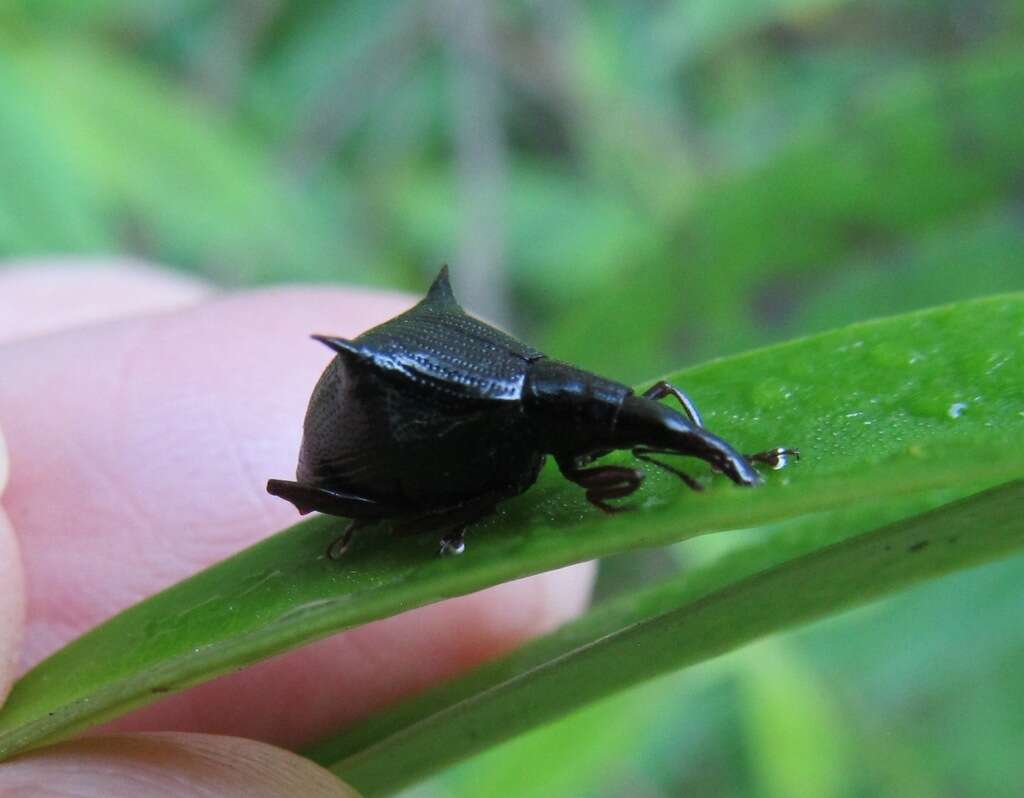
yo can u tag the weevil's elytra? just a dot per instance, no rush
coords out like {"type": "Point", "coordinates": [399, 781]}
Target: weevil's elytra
{"type": "Point", "coordinates": [434, 417]}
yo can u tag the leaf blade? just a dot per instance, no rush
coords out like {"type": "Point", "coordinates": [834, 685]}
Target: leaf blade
{"type": "Point", "coordinates": [570, 669]}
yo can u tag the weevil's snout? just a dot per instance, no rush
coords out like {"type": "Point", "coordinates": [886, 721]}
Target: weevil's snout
{"type": "Point", "coordinates": [651, 424]}
{"type": "Point", "coordinates": [739, 470]}
{"type": "Point", "coordinates": [698, 442]}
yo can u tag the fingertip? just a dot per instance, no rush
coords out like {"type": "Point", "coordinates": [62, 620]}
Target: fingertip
{"type": "Point", "coordinates": [12, 605]}
{"type": "Point", "coordinates": [12, 593]}
{"type": "Point", "coordinates": [168, 765]}
{"type": "Point", "coordinates": [4, 463]}
{"type": "Point", "coordinates": [44, 295]}
{"type": "Point", "coordinates": [569, 590]}
{"type": "Point", "coordinates": [511, 613]}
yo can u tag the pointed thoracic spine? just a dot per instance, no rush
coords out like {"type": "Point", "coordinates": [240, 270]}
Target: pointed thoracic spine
{"type": "Point", "coordinates": [440, 290]}
{"type": "Point", "coordinates": [436, 343]}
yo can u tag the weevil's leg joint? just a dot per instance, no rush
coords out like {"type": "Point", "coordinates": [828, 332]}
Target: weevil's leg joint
{"type": "Point", "coordinates": [602, 482]}
{"type": "Point", "coordinates": [662, 389]}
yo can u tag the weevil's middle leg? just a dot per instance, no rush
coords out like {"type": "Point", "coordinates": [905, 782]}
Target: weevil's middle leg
{"type": "Point", "coordinates": [661, 389]}
{"type": "Point", "coordinates": [603, 482]}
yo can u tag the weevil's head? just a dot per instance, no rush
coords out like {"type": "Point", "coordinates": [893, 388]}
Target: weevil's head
{"type": "Point", "coordinates": [645, 422]}
{"type": "Point", "coordinates": [577, 413]}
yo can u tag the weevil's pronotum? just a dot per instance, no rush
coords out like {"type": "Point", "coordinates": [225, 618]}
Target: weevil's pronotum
{"type": "Point", "coordinates": [432, 418]}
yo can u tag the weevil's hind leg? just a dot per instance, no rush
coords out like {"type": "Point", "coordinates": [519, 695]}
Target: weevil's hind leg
{"type": "Point", "coordinates": [602, 482]}
{"type": "Point", "coordinates": [644, 453]}
{"type": "Point", "coordinates": [341, 543]}
{"type": "Point", "coordinates": [774, 458]}
{"type": "Point", "coordinates": [661, 389]}
{"type": "Point", "coordinates": [453, 543]}
{"type": "Point", "coordinates": [453, 520]}
{"type": "Point", "coordinates": [307, 498]}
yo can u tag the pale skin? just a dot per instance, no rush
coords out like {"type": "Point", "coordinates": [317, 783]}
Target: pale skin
{"type": "Point", "coordinates": [142, 414]}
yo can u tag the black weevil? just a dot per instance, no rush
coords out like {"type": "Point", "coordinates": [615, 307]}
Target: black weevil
{"type": "Point", "coordinates": [432, 418]}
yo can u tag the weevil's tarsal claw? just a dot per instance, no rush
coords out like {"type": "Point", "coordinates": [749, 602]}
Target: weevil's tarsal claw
{"type": "Point", "coordinates": [338, 548]}
{"type": "Point", "coordinates": [340, 545]}
{"type": "Point", "coordinates": [775, 458]}
{"type": "Point", "coordinates": [453, 544]}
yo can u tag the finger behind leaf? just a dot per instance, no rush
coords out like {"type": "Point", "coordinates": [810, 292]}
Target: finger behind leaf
{"type": "Point", "coordinates": [169, 765]}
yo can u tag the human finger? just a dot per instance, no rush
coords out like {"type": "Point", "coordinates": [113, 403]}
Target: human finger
{"type": "Point", "coordinates": [167, 765]}
{"type": "Point", "coordinates": [12, 589]}
{"type": "Point", "coordinates": [44, 295]}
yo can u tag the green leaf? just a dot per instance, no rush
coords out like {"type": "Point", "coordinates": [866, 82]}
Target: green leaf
{"type": "Point", "coordinates": [686, 32]}
{"type": "Point", "coordinates": [940, 137]}
{"type": "Point", "coordinates": [884, 409]}
{"type": "Point", "coordinates": [671, 626]}
{"type": "Point", "coordinates": [196, 188]}
{"type": "Point", "coordinates": [669, 721]}
{"type": "Point", "coordinates": [974, 256]}
{"type": "Point", "coordinates": [44, 205]}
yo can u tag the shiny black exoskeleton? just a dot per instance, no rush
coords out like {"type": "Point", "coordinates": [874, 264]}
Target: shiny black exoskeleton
{"type": "Point", "coordinates": [432, 418]}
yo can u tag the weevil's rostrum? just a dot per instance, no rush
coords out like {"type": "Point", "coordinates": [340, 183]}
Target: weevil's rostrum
{"type": "Point", "coordinates": [434, 417]}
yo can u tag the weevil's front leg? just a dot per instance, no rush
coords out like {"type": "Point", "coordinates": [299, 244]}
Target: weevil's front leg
{"type": "Point", "coordinates": [662, 389]}
{"type": "Point", "coordinates": [644, 453]}
{"type": "Point", "coordinates": [602, 482]}
{"type": "Point", "coordinates": [774, 458]}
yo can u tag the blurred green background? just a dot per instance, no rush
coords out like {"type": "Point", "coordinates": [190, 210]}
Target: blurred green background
{"type": "Point", "coordinates": [633, 186]}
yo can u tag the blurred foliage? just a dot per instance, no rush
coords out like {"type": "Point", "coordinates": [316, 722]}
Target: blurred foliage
{"type": "Point", "coordinates": [635, 186]}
